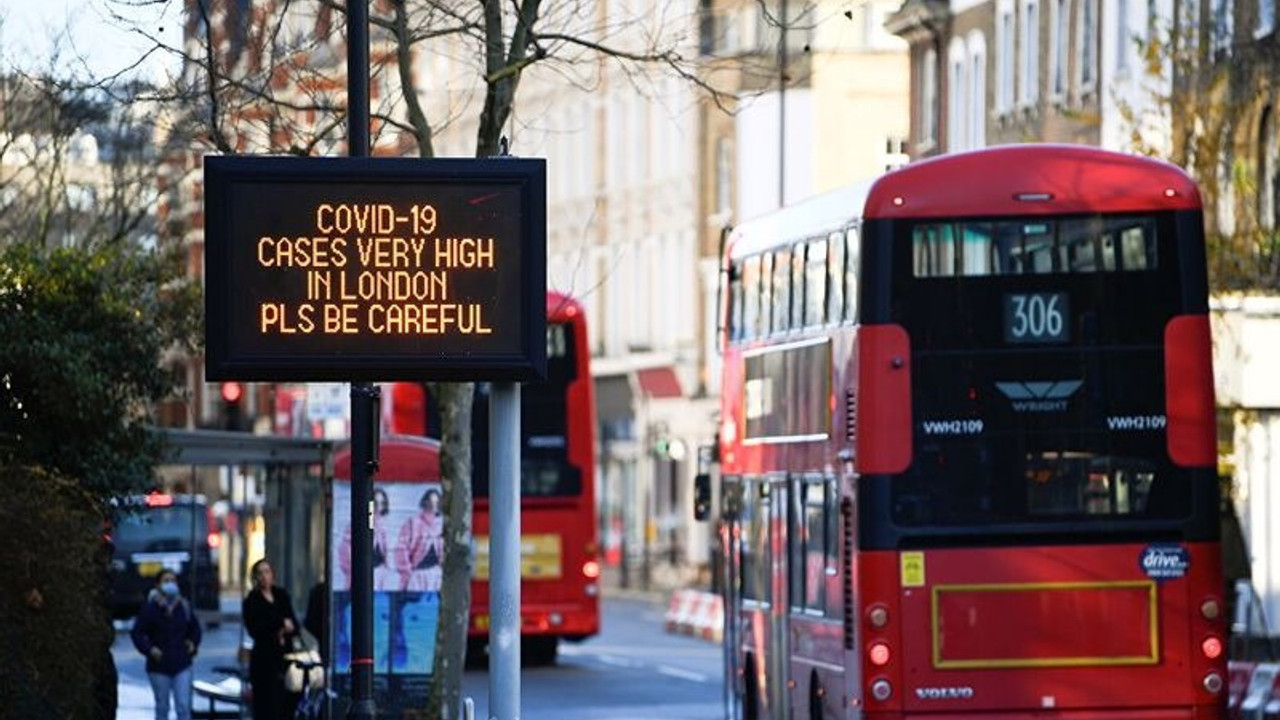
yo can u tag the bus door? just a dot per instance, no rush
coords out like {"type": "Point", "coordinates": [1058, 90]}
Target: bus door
{"type": "Point", "coordinates": [730, 534]}
{"type": "Point", "coordinates": [778, 653]}
{"type": "Point", "coordinates": [763, 617]}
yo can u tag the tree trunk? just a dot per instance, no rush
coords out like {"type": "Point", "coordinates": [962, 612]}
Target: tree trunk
{"type": "Point", "coordinates": [455, 593]}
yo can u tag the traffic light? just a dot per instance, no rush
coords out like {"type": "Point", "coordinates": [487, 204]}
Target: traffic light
{"type": "Point", "coordinates": [232, 414]}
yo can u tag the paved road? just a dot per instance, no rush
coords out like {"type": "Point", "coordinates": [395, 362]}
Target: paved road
{"type": "Point", "coordinates": [634, 670]}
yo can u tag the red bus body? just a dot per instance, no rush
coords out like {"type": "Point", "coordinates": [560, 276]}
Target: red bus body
{"type": "Point", "coordinates": [559, 533]}
{"type": "Point", "coordinates": [927, 514]}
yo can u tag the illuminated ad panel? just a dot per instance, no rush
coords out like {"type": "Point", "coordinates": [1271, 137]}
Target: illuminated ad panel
{"type": "Point", "coordinates": [375, 269]}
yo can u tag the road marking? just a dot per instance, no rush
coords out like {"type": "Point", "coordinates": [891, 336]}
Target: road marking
{"type": "Point", "coordinates": [618, 661]}
{"type": "Point", "coordinates": [682, 674]}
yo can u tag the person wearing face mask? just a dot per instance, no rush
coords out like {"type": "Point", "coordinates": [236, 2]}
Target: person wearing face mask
{"type": "Point", "coordinates": [167, 632]}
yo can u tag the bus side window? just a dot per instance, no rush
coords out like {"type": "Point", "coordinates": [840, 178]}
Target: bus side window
{"type": "Point", "coordinates": [835, 277]}
{"type": "Point", "coordinates": [797, 286]}
{"type": "Point", "coordinates": [781, 290]}
{"type": "Point", "coordinates": [766, 295]}
{"type": "Point", "coordinates": [831, 557]}
{"type": "Point", "coordinates": [751, 290]}
{"type": "Point", "coordinates": [851, 275]}
{"type": "Point", "coordinates": [754, 578]}
{"type": "Point", "coordinates": [796, 540]}
{"type": "Point", "coordinates": [815, 556]}
{"type": "Point", "coordinates": [815, 281]}
{"type": "Point", "coordinates": [736, 301]}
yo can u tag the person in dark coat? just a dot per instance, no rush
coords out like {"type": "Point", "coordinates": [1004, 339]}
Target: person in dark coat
{"type": "Point", "coordinates": [317, 619]}
{"type": "Point", "coordinates": [268, 617]}
{"type": "Point", "coordinates": [167, 632]}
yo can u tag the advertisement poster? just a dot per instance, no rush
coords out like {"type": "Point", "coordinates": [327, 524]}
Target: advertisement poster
{"type": "Point", "coordinates": [408, 551]}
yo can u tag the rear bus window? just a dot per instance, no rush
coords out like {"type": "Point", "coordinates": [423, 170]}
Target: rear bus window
{"type": "Point", "coordinates": [1034, 246]}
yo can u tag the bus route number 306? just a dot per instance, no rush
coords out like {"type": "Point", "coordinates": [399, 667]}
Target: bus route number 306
{"type": "Point", "coordinates": [1036, 318]}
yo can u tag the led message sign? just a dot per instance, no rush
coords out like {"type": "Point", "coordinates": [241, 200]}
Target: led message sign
{"type": "Point", "coordinates": [375, 269]}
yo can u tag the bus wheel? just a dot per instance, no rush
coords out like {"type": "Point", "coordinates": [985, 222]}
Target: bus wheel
{"type": "Point", "coordinates": [538, 650]}
{"type": "Point", "coordinates": [815, 697]}
{"type": "Point", "coordinates": [477, 653]}
{"type": "Point", "coordinates": [751, 693]}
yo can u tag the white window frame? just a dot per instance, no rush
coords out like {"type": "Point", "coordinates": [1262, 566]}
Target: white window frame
{"type": "Point", "coordinates": [1029, 52]}
{"type": "Point", "coordinates": [929, 99]}
{"type": "Point", "coordinates": [1006, 55]}
{"type": "Point", "coordinates": [957, 96]}
{"type": "Point", "coordinates": [977, 46]}
{"type": "Point", "coordinates": [1059, 43]}
{"type": "Point", "coordinates": [1087, 12]}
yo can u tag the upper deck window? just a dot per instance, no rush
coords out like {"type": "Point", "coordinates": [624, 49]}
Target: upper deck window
{"type": "Point", "coordinates": [1034, 246]}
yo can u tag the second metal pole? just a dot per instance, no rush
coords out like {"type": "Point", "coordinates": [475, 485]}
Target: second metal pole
{"type": "Point", "coordinates": [504, 551]}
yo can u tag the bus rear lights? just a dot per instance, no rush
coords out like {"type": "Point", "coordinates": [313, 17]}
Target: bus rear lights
{"type": "Point", "coordinates": [878, 616]}
{"type": "Point", "coordinates": [881, 690]}
{"type": "Point", "coordinates": [1213, 683]}
{"type": "Point", "coordinates": [878, 654]}
{"type": "Point", "coordinates": [556, 619]}
{"type": "Point", "coordinates": [1211, 647]}
{"type": "Point", "coordinates": [1033, 197]}
{"type": "Point", "coordinates": [1170, 193]}
{"type": "Point", "coordinates": [591, 569]}
{"type": "Point", "coordinates": [899, 202]}
{"type": "Point", "coordinates": [1210, 609]}
{"type": "Point", "coordinates": [591, 590]}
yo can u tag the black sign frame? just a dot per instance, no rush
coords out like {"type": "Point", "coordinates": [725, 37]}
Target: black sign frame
{"type": "Point", "coordinates": [229, 185]}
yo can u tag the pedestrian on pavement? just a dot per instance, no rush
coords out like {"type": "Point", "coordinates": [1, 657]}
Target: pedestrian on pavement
{"type": "Point", "coordinates": [167, 632]}
{"type": "Point", "coordinates": [317, 620]}
{"type": "Point", "coordinates": [268, 617]}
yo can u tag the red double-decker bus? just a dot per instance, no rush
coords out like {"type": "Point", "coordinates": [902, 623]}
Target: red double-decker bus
{"type": "Point", "coordinates": [968, 446]}
{"type": "Point", "coordinates": [560, 549]}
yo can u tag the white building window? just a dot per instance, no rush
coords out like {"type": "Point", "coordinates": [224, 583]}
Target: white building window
{"type": "Point", "coordinates": [1088, 42]}
{"type": "Point", "coordinates": [957, 97]}
{"type": "Point", "coordinates": [1266, 18]}
{"type": "Point", "coordinates": [1122, 35]}
{"type": "Point", "coordinates": [1059, 39]}
{"type": "Point", "coordinates": [928, 98]}
{"type": "Point", "coordinates": [1029, 53]}
{"type": "Point", "coordinates": [977, 45]}
{"type": "Point", "coordinates": [1006, 60]}
{"type": "Point", "coordinates": [895, 153]}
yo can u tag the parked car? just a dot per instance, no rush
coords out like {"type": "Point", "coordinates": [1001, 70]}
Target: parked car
{"type": "Point", "coordinates": [157, 532]}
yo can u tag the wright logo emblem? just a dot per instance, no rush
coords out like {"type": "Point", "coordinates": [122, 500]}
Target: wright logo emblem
{"type": "Point", "coordinates": [1039, 396]}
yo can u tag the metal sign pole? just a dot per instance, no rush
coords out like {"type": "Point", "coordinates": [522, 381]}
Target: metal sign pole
{"type": "Point", "coordinates": [504, 551]}
{"type": "Point", "coordinates": [364, 401]}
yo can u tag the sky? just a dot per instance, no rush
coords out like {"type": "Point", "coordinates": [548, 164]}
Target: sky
{"type": "Point", "coordinates": [32, 29]}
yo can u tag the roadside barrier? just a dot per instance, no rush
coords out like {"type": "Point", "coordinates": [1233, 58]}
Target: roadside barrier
{"type": "Point", "coordinates": [678, 610]}
{"type": "Point", "coordinates": [696, 613]}
{"type": "Point", "coordinates": [1239, 675]}
{"type": "Point", "coordinates": [1261, 697]}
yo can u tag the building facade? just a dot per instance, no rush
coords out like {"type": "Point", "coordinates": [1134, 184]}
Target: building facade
{"type": "Point", "coordinates": [992, 72]}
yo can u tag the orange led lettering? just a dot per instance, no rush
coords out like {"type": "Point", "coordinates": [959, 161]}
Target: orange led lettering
{"type": "Point", "coordinates": [274, 317]}
{"type": "Point", "coordinates": [345, 218]}
{"type": "Point", "coordinates": [464, 253]}
{"type": "Point", "coordinates": [341, 319]}
{"type": "Point", "coordinates": [303, 252]}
